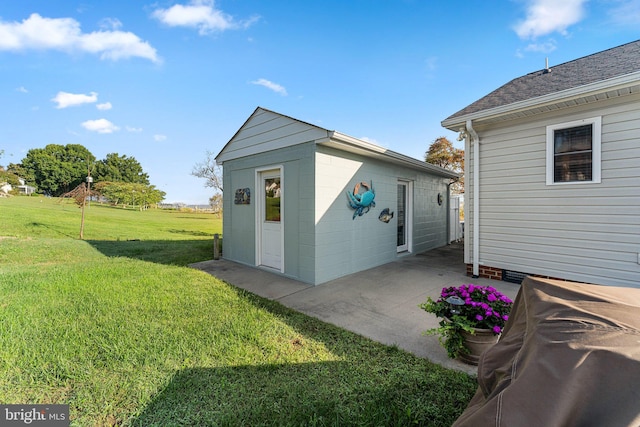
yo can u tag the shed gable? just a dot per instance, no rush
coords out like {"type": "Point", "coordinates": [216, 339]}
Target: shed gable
{"type": "Point", "coordinates": [265, 131]}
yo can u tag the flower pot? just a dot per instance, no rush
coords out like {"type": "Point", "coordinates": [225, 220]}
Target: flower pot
{"type": "Point", "coordinates": [477, 343]}
{"type": "Point", "coordinates": [469, 306]}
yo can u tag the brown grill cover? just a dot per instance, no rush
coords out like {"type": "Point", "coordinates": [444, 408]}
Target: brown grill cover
{"type": "Point", "coordinates": [569, 356]}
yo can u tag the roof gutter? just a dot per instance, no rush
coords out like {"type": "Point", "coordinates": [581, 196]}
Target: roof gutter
{"type": "Point", "coordinates": [474, 140]}
{"type": "Point", "coordinates": [348, 143]}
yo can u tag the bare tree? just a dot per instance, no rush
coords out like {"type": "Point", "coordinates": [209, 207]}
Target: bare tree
{"type": "Point", "coordinates": [209, 170]}
{"type": "Point", "coordinates": [215, 202]}
{"type": "Point", "coordinates": [80, 194]}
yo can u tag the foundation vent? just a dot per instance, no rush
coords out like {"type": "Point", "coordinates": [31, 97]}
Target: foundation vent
{"type": "Point", "coordinates": [513, 276]}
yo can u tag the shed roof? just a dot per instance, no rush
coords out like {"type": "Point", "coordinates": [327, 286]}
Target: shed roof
{"type": "Point", "coordinates": [608, 65]}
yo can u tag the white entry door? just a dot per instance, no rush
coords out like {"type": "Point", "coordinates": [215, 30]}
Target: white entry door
{"type": "Point", "coordinates": [270, 230]}
{"type": "Point", "coordinates": [404, 215]}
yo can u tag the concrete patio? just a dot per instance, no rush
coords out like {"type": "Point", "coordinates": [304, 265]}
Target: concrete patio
{"type": "Point", "coordinates": [380, 303]}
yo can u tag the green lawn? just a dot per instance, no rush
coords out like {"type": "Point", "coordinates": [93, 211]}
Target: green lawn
{"type": "Point", "coordinates": [120, 329]}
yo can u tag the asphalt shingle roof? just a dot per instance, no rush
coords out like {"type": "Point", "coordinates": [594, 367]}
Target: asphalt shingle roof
{"type": "Point", "coordinates": [600, 66]}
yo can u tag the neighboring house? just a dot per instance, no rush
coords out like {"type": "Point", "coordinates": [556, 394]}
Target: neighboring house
{"type": "Point", "coordinates": [5, 188]}
{"type": "Point", "coordinates": [553, 172]}
{"type": "Point", "coordinates": [286, 206]}
{"type": "Point", "coordinates": [23, 188]}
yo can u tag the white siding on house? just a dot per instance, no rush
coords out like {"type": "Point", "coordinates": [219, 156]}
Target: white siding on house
{"type": "Point", "coordinates": [585, 232]}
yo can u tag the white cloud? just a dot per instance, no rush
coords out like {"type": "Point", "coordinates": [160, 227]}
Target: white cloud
{"type": "Point", "coordinates": [64, 34]}
{"type": "Point", "coordinates": [110, 24]}
{"type": "Point", "coordinates": [626, 12]}
{"type": "Point", "coordinates": [104, 106]}
{"type": "Point", "coordinates": [65, 99]}
{"type": "Point", "coordinates": [132, 129]}
{"type": "Point", "coordinates": [200, 14]}
{"type": "Point", "coordinates": [546, 47]}
{"type": "Point", "coordinates": [159, 138]}
{"type": "Point", "coordinates": [22, 89]}
{"type": "Point", "coordinates": [271, 85]}
{"type": "Point", "coordinates": [431, 63]}
{"type": "Point", "coordinates": [100, 126]}
{"type": "Point", "coordinates": [549, 16]}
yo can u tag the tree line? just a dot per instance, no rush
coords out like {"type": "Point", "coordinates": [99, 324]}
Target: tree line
{"type": "Point", "coordinates": [57, 169]}
{"type": "Point", "coordinates": [130, 193]}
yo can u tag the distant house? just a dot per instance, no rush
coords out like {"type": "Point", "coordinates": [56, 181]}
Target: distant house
{"type": "Point", "coordinates": [297, 200]}
{"type": "Point", "coordinates": [5, 188]}
{"type": "Point", "coordinates": [553, 172]}
{"type": "Point", "coordinates": [23, 188]}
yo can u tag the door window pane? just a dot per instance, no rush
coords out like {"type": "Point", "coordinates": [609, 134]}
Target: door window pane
{"type": "Point", "coordinates": [402, 205]}
{"type": "Point", "coordinates": [272, 199]}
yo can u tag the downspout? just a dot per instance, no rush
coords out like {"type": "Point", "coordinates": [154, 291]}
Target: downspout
{"type": "Point", "coordinates": [475, 141]}
{"type": "Point", "coordinates": [451, 182]}
{"type": "Point", "coordinates": [449, 212]}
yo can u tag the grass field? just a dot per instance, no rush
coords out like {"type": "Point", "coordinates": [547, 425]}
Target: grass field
{"type": "Point", "coordinates": [120, 329]}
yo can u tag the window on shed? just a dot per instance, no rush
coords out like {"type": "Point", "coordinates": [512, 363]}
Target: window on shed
{"type": "Point", "coordinates": [573, 152]}
{"type": "Point", "coordinates": [272, 199]}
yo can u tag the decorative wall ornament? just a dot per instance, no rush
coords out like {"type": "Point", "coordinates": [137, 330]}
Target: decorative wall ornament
{"type": "Point", "coordinates": [243, 196]}
{"type": "Point", "coordinates": [385, 215]}
{"type": "Point", "coordinates": [362, 198]}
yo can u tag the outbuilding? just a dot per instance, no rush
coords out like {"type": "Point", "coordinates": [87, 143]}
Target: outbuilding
{"type": "Point", "coordinates": [552, 173]}
{"type": "Point", "coordinates": [315, 204]}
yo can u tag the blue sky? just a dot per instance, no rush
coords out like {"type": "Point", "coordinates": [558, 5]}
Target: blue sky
{"type": "Point", "coordinates": [166, 81]}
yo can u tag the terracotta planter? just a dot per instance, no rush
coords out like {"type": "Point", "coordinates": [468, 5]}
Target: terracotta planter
{"type": "Point", "coordinates": [481, 340]}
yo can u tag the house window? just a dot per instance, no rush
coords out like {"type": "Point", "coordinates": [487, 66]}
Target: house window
{"type": "Point", "coordinates": [573, 152]}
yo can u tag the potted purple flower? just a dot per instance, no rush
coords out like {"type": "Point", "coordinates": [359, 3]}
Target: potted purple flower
{"type": "Point", "coordinates": [472, 319]}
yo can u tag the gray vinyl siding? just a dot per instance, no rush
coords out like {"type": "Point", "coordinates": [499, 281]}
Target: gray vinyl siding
{"type": "Point", "coordinates": [583, 232]}
{"type": "Point", "coordinates": [239, 226]}
{"type": "Point", "coordinates": [321, 240]}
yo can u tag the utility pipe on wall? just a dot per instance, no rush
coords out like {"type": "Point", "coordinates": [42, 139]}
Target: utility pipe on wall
{"type": "Point", "coordinates": [475, 141]}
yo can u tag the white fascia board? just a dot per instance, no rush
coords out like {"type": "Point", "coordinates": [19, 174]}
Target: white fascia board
{"type": "Point", "coordinates": [348, 143]}
{"type": "Point", "coordinates": [619, 82]}
{"type": "Point", "coordinates": [346, 139]}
